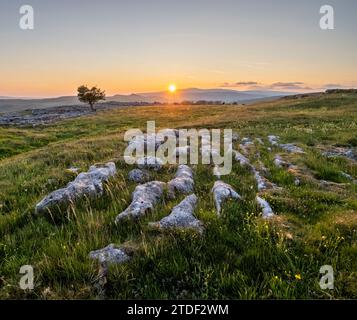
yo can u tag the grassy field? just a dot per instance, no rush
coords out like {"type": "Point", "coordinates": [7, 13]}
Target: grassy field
{"type": "Point", "coordinates": [239, 256]}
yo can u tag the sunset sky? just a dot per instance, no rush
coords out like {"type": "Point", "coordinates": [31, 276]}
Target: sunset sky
{"type": "Point", "coordinates": [126, 46]}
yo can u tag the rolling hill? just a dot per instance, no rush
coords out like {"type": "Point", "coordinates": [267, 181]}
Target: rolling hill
{"type": "Point", "coordinates": [10, 104]}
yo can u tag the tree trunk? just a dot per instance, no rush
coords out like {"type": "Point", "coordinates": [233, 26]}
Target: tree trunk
{"type": "Point", "coordinates": [92, 107]}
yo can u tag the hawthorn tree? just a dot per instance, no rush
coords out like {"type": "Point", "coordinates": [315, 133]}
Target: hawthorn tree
{"type": "Point", "coordinates": [90, 96]}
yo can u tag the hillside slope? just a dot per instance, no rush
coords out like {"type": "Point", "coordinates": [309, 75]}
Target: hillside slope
{"type": "Point", "coordinates": [239, 256]}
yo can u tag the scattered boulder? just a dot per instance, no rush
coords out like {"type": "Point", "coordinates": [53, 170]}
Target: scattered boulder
{"type": "Point", "coordinates": [331, 184]}
{"type": "Point", "coordinates": [107, 256]}
{"type": "Point", "coordinates": [289, 147]}
{"type": "Point", "coordinates": [274, 140]}
{"type": "Point", "coordinates": [86, 184]}
{"type": "Point", "coordinates": [139, 176]}
{"type": "Point", "coordinates": [280, 163]}
{"type": "Point", "coordinates": [341, 152]}
{"type": "Point", "coordinates": [235, 136]}
{"type": "Point", "coordinates": [221, 192]}
{"type": "Point", "coordinates": [246, 141]}
{"type": "Point", "coordinates": [110, 255]}
{"type": "Point", "coordinates": [292, 148]}
{"type": "Point", "coordinates": [240, 158]}
{"type": "Point", "coordinates": [149, 162]}
{"type": "Point", "coordinates": [267, 211]}
{"type": "Point", "coordinates": [183, 181]}
{"type": "Point", "coordinates": [346, 175]}
{"type": "Point", "coordinates": [144, 198]}
{"type": "Point", "coordinates": [262, 182]}
{"type": "Point", "coordinates": [245, 145]}
{"type": "Point", "coordinates": [294, 170]}
{"type": "Point", "coordinates": [181, 216]}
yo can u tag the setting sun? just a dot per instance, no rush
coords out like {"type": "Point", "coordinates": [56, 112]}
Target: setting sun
{"type": "Point", "coordinates": [172, 88]}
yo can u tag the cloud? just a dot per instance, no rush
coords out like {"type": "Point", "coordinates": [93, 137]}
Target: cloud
{"type": "Point", "coordinates": [332, 86]}
{"type": "Point", "coordinates": [239, 84]}
{"type": "Point", "coordinates": [254, 85]}
{"type": "Point", "coordinates": [297, 85]}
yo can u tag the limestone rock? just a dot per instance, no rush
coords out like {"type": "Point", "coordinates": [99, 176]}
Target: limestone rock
{"type": "Point", "coordinates": [292, 148]}
{"type": "Point", "coordinates": [267, 211]}
{"type": "Point", "coordinates": [183, 181]}
{"type": "Point", "coordinates": [181, 216]}
{"type": "Point", "coordinates": [262, 182]}
{"type": "Point", "coordinates": [245, 145]}
{"type": "Point", "coordinates": [221, 192]}
{"type": "Point", "coordinates": [110, 255]}
{"type": "Point", "coordinates": [144, 198]}
{"type": "Point", "coordinates": [139, 176]}
{"type": "Point", "coordinates": [274, 140]}
{"type": "Point", "coordinates": [280, 163]}
{"type": "Point", "coordinates": [86, 184]}
{"type": "Point", "coordinates": [149, 162]}
{"type": "Point", "coordinates": [240, 158]}
{"type": "Point", "coordinates": [341, 152]}
{"type": "Point", "coordinates": [235, 136]}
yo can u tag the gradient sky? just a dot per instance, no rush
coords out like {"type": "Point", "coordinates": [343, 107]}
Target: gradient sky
{"type": "Point", "coordinates": [127, 46]}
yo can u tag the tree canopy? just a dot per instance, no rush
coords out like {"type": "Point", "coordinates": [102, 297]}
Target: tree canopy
{"type": "Point", "coordinates": [90, 96]}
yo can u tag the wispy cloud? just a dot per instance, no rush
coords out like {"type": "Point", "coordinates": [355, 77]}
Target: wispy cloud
{"type": "Point", "coordinates": [239, 84]}
{"type": "Point", "coordinates": [297, 85]}
{"type": "Point", "coordinates": [255, 85]}
{"type": "Point", "coordinates": [332, 85]}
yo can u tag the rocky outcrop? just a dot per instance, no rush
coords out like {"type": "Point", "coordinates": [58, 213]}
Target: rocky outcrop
{"type": "Point", "coordinates": [235, 136]}
{"type": "Point", "coordinates": [291, 148]}
{"type": "Point", "coordinates": [181, 217]}
{"type": "Point", "coordinates": [280, 163]}
{"type": "Point", "coordinates": [221, 192]}
{"type": "Point", "coordinates": [267, 211]}
{"type": "Point", "coordinates": [288, 147]}
{"type": "Point", "coordinates": [245, 144]}
{"type": "Point", "coordinates": [144, 199]}
{"type": "Point", "coordinates": [262, 182]}
{"type": "Point", "coordinates": [341, 152]}
{"type": "Point", "coordinates": [274, 140]}
{"type": "Point", "coordinates": [139, 176]}
{"type": "Point", "coordinates": [110, 255]}
{"type": "Point", "coordinates": [182, 183]}
{"type": "Point", "coordinates": [153, 163]}
{"type": "Point", "coordinates": [243, 161]}
{"type": "Point", "coordinates": [88, 184]}
{"type": "Point", "coordinates": [294, 170]}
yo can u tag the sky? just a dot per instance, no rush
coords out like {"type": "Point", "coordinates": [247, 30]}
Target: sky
{"type": "Point", "coordinates": [127, 46]}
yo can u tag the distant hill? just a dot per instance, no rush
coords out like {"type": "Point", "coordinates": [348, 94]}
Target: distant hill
{"type": "Point", "coordinates": [224, 95]}
{"type": "Point", "coordinates": [8, 104]}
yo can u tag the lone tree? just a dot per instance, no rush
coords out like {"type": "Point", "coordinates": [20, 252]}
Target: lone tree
{"type": "Point", "coordinates": [90, 96]}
